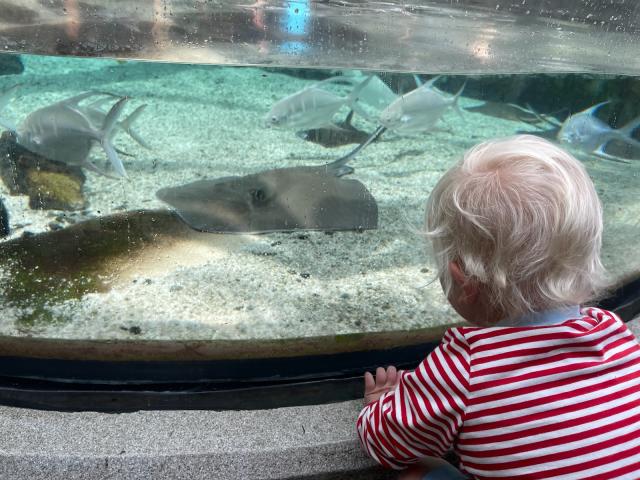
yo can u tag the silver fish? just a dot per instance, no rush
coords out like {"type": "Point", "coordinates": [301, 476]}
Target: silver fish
{"type": "Point", "coordinates": [419, 110]}
{"type": "Point", "coordinates": [312, 107]}
{"type": "Point", "coordinates": [63, 133]}
{"type": "Point", "coordinates": [282, 199]}
{"type": "Point", "coordinates": [588, 133]}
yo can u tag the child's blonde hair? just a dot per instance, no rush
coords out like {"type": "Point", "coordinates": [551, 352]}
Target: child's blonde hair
{"type": "Point", "coordinates": [522, 217]}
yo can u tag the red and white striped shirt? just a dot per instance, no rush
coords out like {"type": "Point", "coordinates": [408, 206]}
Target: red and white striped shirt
{"type": "Point", "coordinates": [543, 402]}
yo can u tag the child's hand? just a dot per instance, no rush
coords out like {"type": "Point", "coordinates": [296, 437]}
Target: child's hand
{"type": "Point", "coordinates": [385, 381]}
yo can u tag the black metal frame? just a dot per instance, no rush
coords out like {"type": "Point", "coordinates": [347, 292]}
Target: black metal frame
{"type": "Point", "coordinates": [220, 384]}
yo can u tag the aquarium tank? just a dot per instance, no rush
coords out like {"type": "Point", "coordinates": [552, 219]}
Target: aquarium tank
{"type": "Point", "coordinates": [234, 191]}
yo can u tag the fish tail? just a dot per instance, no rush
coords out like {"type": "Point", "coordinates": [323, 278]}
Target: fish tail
{"type": "Point", "coordinates": [623, 134]}
{"type": "Point", "coordinates": [107, 133]}
{"type": "Point", "coordinates": [630, 127]}
{"type": "Point", "coordinates": [352, 99]}
{"type": "Point", "coordinates": [5, 98]}
{"type": "Point", "coordinates": [127, 126]}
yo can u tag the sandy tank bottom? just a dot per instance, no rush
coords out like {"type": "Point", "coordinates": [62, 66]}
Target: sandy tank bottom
{"type": "Point", "coordinates": [207, 122]}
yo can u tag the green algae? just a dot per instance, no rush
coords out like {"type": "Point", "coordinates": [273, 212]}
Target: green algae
{"type": "Point", "coordinates": [49, 269]}
{"type": "Point", "coordinates": [54, 190]}
{"type": "Point", "coordinates": [34, 290]}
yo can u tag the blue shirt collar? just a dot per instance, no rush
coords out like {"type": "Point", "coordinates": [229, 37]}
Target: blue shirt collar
{"type": "Point", "coordinates": [542, 319]}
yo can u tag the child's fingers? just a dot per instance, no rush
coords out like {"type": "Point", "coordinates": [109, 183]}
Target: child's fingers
{"type": "Point", "coordinates": [381, 377]}
{"type": "Point", "coordinates": [369, 382]}
{"type": "Point", "coordinates": [392, 375]}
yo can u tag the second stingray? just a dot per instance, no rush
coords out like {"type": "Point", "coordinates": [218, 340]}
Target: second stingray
{"type": "Point", "coordinates": [278, 200]}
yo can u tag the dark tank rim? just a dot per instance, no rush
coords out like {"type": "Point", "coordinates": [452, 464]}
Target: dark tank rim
{"type": "Point", "coordinates": [224, 384]}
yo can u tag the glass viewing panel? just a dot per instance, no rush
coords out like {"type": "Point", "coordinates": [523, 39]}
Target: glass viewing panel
{"type": "Point", "coordinates": [91, 254]}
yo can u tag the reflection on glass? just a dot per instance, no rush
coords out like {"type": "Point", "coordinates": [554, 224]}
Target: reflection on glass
{"type": "Point", "coordinates": [295, 23]}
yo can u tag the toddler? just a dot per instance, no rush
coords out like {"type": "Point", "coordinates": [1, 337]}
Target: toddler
{"type": "Point", "coordinates": [537, 387]}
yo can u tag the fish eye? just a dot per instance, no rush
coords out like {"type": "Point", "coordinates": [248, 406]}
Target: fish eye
{"type": "Point", "coordinates": [274, 119]}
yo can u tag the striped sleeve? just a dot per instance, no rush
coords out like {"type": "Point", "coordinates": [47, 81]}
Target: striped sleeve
{"type": "Point", "coordinates": [422, 416]}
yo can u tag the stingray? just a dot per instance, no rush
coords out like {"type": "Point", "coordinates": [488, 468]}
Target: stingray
{"type": "Point", "coordinates": [278, 200]}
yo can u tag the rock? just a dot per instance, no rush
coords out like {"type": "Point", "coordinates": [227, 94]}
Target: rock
{"type": "Point", "coordinates": [4, 220]}
{"type": "Point", "coordinates": [49, 184]}
{"type": "Point", "coordinates": [10, 64]}
{"type": "Point", "coordinates": [54, 191]}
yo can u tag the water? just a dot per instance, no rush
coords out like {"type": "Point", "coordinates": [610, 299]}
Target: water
{"type": "Point", "coordinates": [107, 271]}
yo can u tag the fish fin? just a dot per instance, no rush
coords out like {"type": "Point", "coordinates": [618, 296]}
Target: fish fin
{"type": "Point", "coordinates": [75, 100]}
{"type": "Point", "coordinates": [114, 159]}
{"type": "Point", "coordinates": [127, 126]}
{"type": "Point", "coordinates": [348, 119]}
{"type": "Point", "coordinates": [108, 131]}
{"type": "Point", "coordinates": [5, 98]}
{"type": "Point", "coordinates": [599, 152]}
{"type": "Point", "coordinates": [98, 104]}
{"type": "Point", "coordinates": [430, 83]}
{"type": "Point", "coordinates": [91, 166]}
{"type": "Point", "coordinates": [418, 80]}
{"type": "Point", "coordinates": [592, 110]}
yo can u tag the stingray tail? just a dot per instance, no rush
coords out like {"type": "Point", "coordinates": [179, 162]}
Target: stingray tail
{"type": "Point", "coordinates": [107, 133]}
{"type": "Point", "coordinates": [456, 97]}
{"type": "Point", "coordinates": [5, 98]}
{"type": "Point", "coordinates": [547, 118]}
{"type": "Point", "coordinates": [340, 167]}
{"type": "Point", "coordinates": [127, 126]}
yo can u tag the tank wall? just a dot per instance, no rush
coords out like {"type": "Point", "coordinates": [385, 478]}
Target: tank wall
{"type": "Point", "coordinates": [435, 36]}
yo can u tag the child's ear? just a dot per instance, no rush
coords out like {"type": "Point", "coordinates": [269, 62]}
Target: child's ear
{"type": "Point", "coordinates": [470, 288]}
{"type": "Point", "coordinates": [457, 274]}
